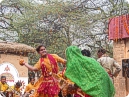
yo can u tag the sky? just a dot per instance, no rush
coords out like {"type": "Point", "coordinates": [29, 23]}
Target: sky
{"type": "Point", "coordinates": [127, 1]}
{"type": "Point", "coordinates": [1, 0]}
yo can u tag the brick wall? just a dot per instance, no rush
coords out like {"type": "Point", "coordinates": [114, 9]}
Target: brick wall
{"type": "Point", "coordinates": [119, 53]}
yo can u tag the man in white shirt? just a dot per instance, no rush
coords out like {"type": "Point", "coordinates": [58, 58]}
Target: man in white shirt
{"type": "Point", "coordinates": [108, 63]}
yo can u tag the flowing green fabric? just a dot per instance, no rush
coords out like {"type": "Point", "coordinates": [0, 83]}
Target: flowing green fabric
{"type": "Point", "coordinates": [88, 74]}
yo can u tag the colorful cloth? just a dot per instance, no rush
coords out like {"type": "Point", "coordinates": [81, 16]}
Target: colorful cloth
{"type": "Point", "coordinates": [70, 82]}
{"type": "Point", "coordinates": [117, 29]}
{"type": "Point", "coordinates": [88, 74]}
{"type": "Point", "coordinates": [47, 85]}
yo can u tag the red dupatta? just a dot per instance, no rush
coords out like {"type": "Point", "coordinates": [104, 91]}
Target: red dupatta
{"type": "Point", "coordinates": [53, 64]}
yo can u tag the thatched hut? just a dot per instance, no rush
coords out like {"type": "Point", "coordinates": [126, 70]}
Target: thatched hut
{"type": "Point", "coordinates": [15, 48]}
{"type": "Point", "coordinates": [10, 53]}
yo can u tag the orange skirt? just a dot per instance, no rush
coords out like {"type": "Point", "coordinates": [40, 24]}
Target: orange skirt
{"type": "Point", "coordinates": [38, 86]}
{"type": "Point", "coordinates": [43, 95]}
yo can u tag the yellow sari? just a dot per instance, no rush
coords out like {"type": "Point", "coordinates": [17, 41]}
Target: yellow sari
{"type": "Point", "coordinates": [47, 78]}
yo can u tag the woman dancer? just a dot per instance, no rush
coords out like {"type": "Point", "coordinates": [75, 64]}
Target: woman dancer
{"type": "Point", "coordinates": [88, 74]}
{"type": "Point", "coordinates": [47, 85]}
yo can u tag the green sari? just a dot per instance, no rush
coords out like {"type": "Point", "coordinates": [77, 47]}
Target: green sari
{"type": "Point", "coordinates": [88, 74]}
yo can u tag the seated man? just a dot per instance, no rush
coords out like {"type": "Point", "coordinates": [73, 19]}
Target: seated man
{"type": "Point", "coordinates": [16, 88]}
{"type": "Point", "coordinates": [3, 86]}
{"type": "Point", "coordinates": [30, 87]}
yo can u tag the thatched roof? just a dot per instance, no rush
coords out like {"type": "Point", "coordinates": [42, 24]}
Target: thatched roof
{"type": "Point", "coordinates": [11, 47]}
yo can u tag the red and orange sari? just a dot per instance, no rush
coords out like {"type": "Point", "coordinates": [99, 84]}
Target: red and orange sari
{"type": "Point", "coordinates": [47, 85]}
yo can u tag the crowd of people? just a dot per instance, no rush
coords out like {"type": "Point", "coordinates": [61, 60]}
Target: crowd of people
{"type": "Point", "coordinates": [82, 76]}
{"type": "Point", "coordinates": [9, 91]}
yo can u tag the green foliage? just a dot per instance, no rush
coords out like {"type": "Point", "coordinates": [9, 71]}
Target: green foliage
{"type": "Point", "coordinates": [59, 24]}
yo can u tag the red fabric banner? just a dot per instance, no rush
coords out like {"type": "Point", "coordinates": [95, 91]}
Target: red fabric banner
{"type": "Point", "coordinates": [119, 27]}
